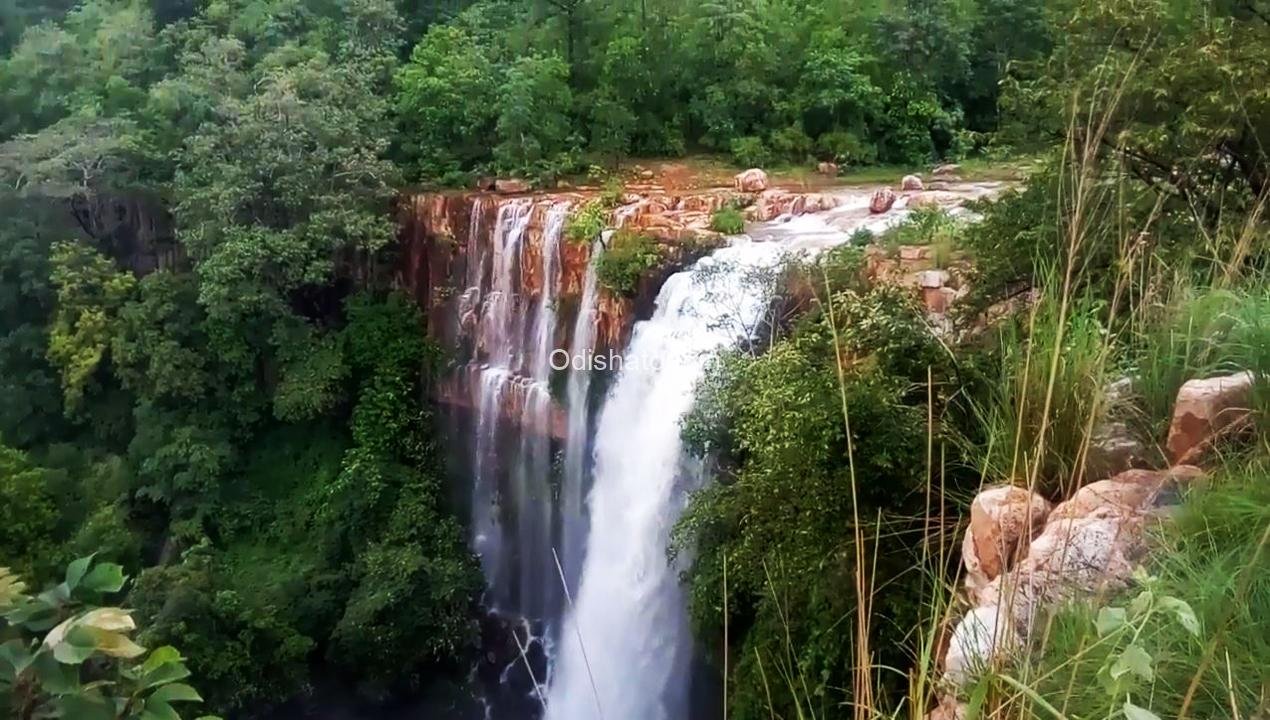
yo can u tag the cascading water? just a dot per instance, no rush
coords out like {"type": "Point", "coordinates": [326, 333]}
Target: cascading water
{"type": "Point", "coordinates": [625, 650]}
{"type": "Point", "coordinates": [577, 445]}
{"type": "Point", "coordinates": [512, 509]}
{"type": "Point", "coordinates": [629, 612]}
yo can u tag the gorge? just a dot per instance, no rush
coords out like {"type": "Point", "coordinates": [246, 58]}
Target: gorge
{"type": "Point", "coordinates": [574, 472]}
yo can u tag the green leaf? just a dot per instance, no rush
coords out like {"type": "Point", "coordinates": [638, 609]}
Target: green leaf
{"type": "Point", "coordinates": [76, 646]}
{"type": "Point", "coordinates": [55, 678]}
{"type": "Point", "coordinates": [1133, 712]}
{"type": "Point", "coordinates": [176, 692]}
{"type": "Point", "coordinates": [163, 666]}
{"type": "Point", "coordinates": [1141, 603]}
{"type": "Point", "coordinates": [11, 588]}
{"type": "Point", "coordinates": [1110, 619]}
{"type": "Point", "coordinates": [75, 571]}
{"type": "Point", "coordinates": [159, 710]}
{"type": "Point", "coordinates": [1183, 612]}
{"type": "Point", "coordinates": [16, 655]}
{"type": "Point", "coordinates": [104, 578]}
{"type": "Point", "coordinates": [86, 706]}
{"type": "Point", "coordinates": [1134, 659]}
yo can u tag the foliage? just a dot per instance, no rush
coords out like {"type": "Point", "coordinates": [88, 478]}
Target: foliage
{"type": "Point", "coordinates": [28, 512]}
{"type": "Point", "coordinates": [245, 654]}
{"type": "Point", "coordinates": [90, 292]}
{"type": "Point", "coordinates": [627, 257]}
{"type": "Point", "coordinates": [750, 152]}
{"type": "Point", "coordinates": [587, 222]}
{"type": "Point", "coordinates": [445, 102]}
{"type": "Point", "coordinates": [1178, 86]}
{"type": "Point", "coordinates": [780, 517]}
{"type": "Point", "coordinates": [728, 220]}
{"type": "Point", "coordinates": [533, 128]}
{"type": "Point", "coordinates": [85, 666]}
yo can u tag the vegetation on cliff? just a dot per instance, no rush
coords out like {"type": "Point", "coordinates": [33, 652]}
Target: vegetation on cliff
{"type": "Point", "coordinates": [210, 386]}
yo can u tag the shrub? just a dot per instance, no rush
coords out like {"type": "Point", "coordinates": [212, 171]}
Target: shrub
{"type": "Point", "coordinates": [845, 147]}
{"type": "Point", "coordinates": [750, 152]}
{"type": "Point", "coordinates": [623, 263]}
{"type": "Point", "coordinates": [611, 195]}
{"type": "Point", "coordinates": [776, 515]}
{"type": "Point", "coordinates": [728, 221]}
{"type": "Point", "coordinates": [861, 236]}
{"type": "Point", "coordinates": [587, 222]}
{"type": "Point", "coordinates": [791, 144]}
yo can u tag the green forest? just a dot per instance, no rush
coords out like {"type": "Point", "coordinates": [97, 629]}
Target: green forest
{"type": "Point", "coordinates": [215, 401]}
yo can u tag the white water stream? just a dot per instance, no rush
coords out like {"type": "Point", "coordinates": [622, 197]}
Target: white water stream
{"type": "Point", "coordinates": [625, 648]}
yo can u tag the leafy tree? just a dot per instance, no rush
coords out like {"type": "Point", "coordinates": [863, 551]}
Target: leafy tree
{"type": "Point", "coordinates": [90, 293]}
{"type": "Point", "coordinates": [1178, 85]}
{"type": "Point", "coordinates": [28, 512]}
{"type": "Point", "coordinates": [533, 129]}
{"type": "Point", "coordinates": [446, 102]}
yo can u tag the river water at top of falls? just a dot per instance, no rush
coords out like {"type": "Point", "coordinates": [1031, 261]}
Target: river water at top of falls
{"type": "Point", "coordinates": [625, 649]}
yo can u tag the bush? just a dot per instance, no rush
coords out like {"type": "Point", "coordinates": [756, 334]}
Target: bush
{"type": "Point", "coordinates": [777, 514]}
{"type": "Point", "coordinates": [791, 144]}
{"type": "Point", "coordinates": [750, 152]}
{"type": "Point", "coordinates": [728, 221]}
{"type": "Point", "coordinates": [845, 147]}
{"type": "Point", "coordinates": [624, 261]}
{"type": "Point", "coordinates": [587, 222]}
{"type": "Point", "coordinates": [611, 195]}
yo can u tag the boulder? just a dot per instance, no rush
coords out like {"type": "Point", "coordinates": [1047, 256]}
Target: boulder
{"type": "Point", "coordinates": [511, 185]}
{"type": "Point", "coordinates": [752, 180]}
{"type": "Point", "coordinates": [1113, 446]}
{"type": "Point", "coordinates": [932, 278]}
{"type": "Point", "coordinates": [1072, 557]}
{"type": "Point", "coordinates": [982, 638]}
{"type": "Point", "coordinates": [484, 182]}
{"type": "Point", "coordinates": [1003, 520]}
{"type": "Point", "coordinates": [1205, 410]}
{"type": "Point", "coordinates": [945, 170]}
{"type": "Point", "coordinates": [915, 253]}
{"type": "Point", "coordinates": [938, 300]}
{"type": "Point", "coordinates": [911, 183]}
{"type": "Point", "coordinates": [932, 199]}
{"type": "Point", "coordinates": [882, 200]}
{"type": "Point", "coordinates": [646, 174]}
{"type": "Point", "coordinates": [948, 708]}
{"type": "Point", "coordinates": [1132, 492]}
{"type": "Point", "coordinates": [827, 168]}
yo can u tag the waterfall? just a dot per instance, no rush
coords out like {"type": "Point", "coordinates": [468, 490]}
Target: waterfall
{"type": "Point", "coordinates": [625, 650]}
{"type": "Point", "coordinates": [629, 619]}
{"type": "Point", "coordinates": [512, 506]}
{"type": "Point", "coordinates": [577, 446]}
{"type": "Point", "coordinates": [535, 504]}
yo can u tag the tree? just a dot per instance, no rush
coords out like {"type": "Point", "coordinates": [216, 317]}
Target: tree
{"type": "Point", "coordinates": [533, 128]}
{"type": "Point", "coordinates": [90, 293]}
{"type": "Point", "coordinates": [1180, 86]}
{"type": "Point", "coordinates": [446, 103]}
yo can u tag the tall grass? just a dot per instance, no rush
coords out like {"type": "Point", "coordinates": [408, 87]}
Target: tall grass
{"type": "Point", "coordinates": [1196, 332]}
{"type": "Point", "coordinates": [1160, 326]}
